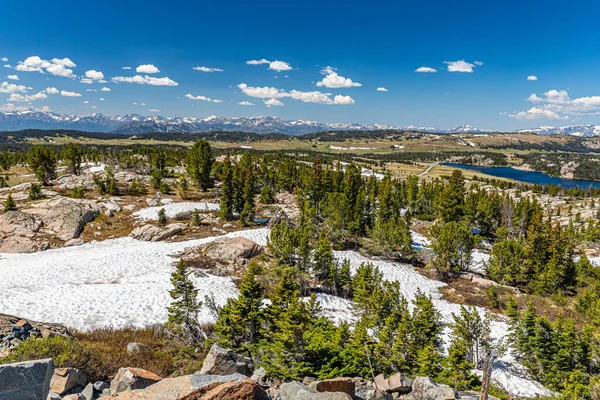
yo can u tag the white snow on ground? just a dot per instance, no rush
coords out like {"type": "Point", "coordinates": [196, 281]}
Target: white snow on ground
{"type": "Point", "coordinates": [420, 242]}
{"type": "Point", "coordinates": [175, 210]}
{"type": "Point", "coordinates": [479, 260]}
{"type": "Point", "coordinates": [124, 281]}
{"type": "Point", "coordinates": [117, 282]}
{"type": "Point", "coordinates": [94, 167]}
{"type": "Point", "coordinates": [505, 373]}
{"type": "Point", "coordinates": [595, 261]}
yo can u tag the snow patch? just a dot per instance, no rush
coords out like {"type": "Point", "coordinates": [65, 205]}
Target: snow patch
{"type": "Point", "coordinates": [175, 210]}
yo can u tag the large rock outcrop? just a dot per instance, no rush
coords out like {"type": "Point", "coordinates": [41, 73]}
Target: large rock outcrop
{"type": "Point", "coordinates": [198, 387]}
{"type": "Point", "coordinates": [424, 388]}
{"type": "Point", "coordinates": [28, 380]}
{"type": "Point", "coordinates": [151, 233]}
{"type": "Point", "coordinates": [65, 217]}
{"type": "Point", "coordinates": [224, 256]}
{"type": "Point", "coordinates": [220, 361]}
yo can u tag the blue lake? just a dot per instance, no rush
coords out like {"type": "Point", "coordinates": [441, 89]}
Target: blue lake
{"type": "Point", "coordinates": [526, 176]}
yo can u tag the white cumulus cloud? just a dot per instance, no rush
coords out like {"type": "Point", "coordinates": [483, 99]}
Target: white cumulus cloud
{"type": "Point", "coordinates": [145, 80]}
{"type": "Point", "coordinates": [245, 103]}
{"type": "Point", "coordinates": [427, 70]}
{"type": "Point", "coordinates": [147, 69]}
{"type": "Point", "coordinates": [460, 66]}
{"type": "Point", "coordinates": [334, 81]}
{"type": "Point", "coordinates": [69, 94]}
{"type": "Point", "coordinates": [52, 90]}
{"type": "Point", "coordinates": [105, 89]}
{"type": "Point", "coordinates": [6, 87]}
{"type": "Point", "coordinates": [557, 104]}
{"type": "Point", "coordinates": [207, 69]}
{"type": "Point", "coordinates": [538, 113]}
{"type": "Point", "coordinates": [273, 103]}
{"type": "Point", "coordinates": [126, 68]}
{"type": "Point", "coordinates": [94, 75]}
{"type": "Point", "coordinates": [203, 98]}
{"type": "Point", "coordinates": [306, 97]}
{"type": "Point", "coordinates": [13, 77]}
{"type": "Point", "coordinates": [56, 66]}
{"type": "Point", "coordinates": [276, 65]}
{"type": "Point", "coordinates": [27, 98]}
{"type": "Point", "coordinates": [4, 59]}
{"type": "Point", "coordinates": [381, 89]}
{"type": "Point", "coordinates": [532, 78]}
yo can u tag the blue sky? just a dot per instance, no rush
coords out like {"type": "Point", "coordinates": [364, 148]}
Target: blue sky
{"type": "Point", "coordinates": [326, 60]}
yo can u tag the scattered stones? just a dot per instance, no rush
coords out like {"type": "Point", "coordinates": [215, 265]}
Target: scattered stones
{"type": "Point", "coordinates": [396, 383]}
{"type": "Point", "coordinates": [134, 347]}
{"type": "Point", "coordinates": [132, 378]}
{"type": "Point", "coordinates": [345, 385]}
{"type": "Point", "coordinates": [28, 380]}
{"type": "Point", "coordinates": [74, 242]}
{"type": "Point", "coordinates": [220, 361]}
{"type": "Point", "coordinates": [151, 233]}
{"type": "Point", "coordinates": [424, 388]}
{"type": "Point", "coordinates": [299, 391]}
{"type": "Point", "coordinates": [65, 379]}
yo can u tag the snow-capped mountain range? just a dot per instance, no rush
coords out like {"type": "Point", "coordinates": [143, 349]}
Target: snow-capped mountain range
{"type": "Point", "coordinates": [135, 124]}
{"type": "Point", "coordinates": [573, 130]}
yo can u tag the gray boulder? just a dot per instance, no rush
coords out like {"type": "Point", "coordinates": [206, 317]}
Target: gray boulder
{"type": "Point", "coordinates": [220, 361]}
{"type": "Point", "coordinates": [298, 391]}
{"type": "Point", "coordinates": [151, 233]}
{"type": "Point", "coordinates": [424, 388]}
{"type": "Point", "coordinates": [224, 256]}
{"type": "Point", "coordinates": [29, 380]}
{"type": "Point", "coordinates": [65, 217]}
{"type": "Point", "coordinates": [65, 379]}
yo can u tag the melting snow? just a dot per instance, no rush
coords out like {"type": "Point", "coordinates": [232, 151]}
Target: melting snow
{"type": "Point", "coordinates": [124, 281]}
{"type": "Point", "coordinates": [175, 210]}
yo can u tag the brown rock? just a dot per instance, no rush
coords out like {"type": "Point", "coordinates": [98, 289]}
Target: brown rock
{"type": "Point", "coordinates": [132, 378]}
{"type": "Point", "coordinates": [345, 385]}
{"type": "Point", "coordinates": [245, 389]}
{"type": "Point", "coordinates": [65, 379]}
{"type": "Point", "coordinates": [224, 256]}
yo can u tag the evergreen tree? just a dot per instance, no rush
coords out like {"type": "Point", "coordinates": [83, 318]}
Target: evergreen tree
{"type": "Point", "coordinates": [162, 217]}
{"type": "Point", "coordinates": [267, 196]}
{"type": "Point", "coordinates": [227, 190]}
{"type": "Point", "coordinates": [35, 192]}
{"type": "Point", "coordinates": [73, 157]}
{"type": "Point", "coordinates": [323, 261]}
{"type": "Point", "coordinates": [9, 204]}
{"type": "Point", "coordinates": [248, 209]}
{"type": "Point", "coordinates": [452, 200]}
{"type": "Point", "coordinates": [452, 245]}
{"type": "Point", "coordinates": [457, 372]}
{"type": "Point", "coordinates": [42, 160]}
{"type": "Point", "coordinates": [198, 164]}
{"type": "Point", "coordinates": [184, 308]}
{"type": "Point", "coordinates": [240, 321]}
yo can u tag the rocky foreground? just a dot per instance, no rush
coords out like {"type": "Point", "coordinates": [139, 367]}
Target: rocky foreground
{"type": "Point", "coordinates": [225, 375]}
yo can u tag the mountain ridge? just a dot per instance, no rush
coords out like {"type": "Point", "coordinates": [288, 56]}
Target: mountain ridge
{"type": "Point", "coordinates": [136, 124]}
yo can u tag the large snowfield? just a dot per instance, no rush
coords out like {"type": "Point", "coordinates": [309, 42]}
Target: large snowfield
{"type": "Point", "coordinates": [123, 282]}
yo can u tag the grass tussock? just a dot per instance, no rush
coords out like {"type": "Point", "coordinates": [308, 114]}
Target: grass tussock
{"type": "Point", "coordinates": [100, 353]}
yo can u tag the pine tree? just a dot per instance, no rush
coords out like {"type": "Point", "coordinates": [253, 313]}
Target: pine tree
{"type": "Point", "coordinates": [240, 321]}
{"type": "Point", "coordinates": [184, 308]}
{"type": "Point", "coordinates": [452, 245]}
{"type": "Point", "coordinates": [227, 190]}
{"type": "Point", "coordinates": [198, 164]}
{"type": "Point", "coordinates": [323, 260]}
{"type": "Point", "coordinates": [267, 196]}
{"type": "Point", "coordinates": [162, 217]}
{"type": "Point", "coordinates": [9, 204]}
{"type": "Point", "coordinates": [457, 372]}
{"type": "Point", "coordinates": [42, 160]}
{"type": "Point", "coordinates": [35, 192]}
{"type": "Point", "coordinates": [196, 221]}
{"type": "Point", "coordinates": [429, 362]}
{"type": "Point", "coordinates": [248, 209]}
{"type": "Point", "coordinates": [452, 200]}
{"type": "Point", "coordinates": [73, 157]}
{"type": "Point", "coordinates": [345, 279]}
